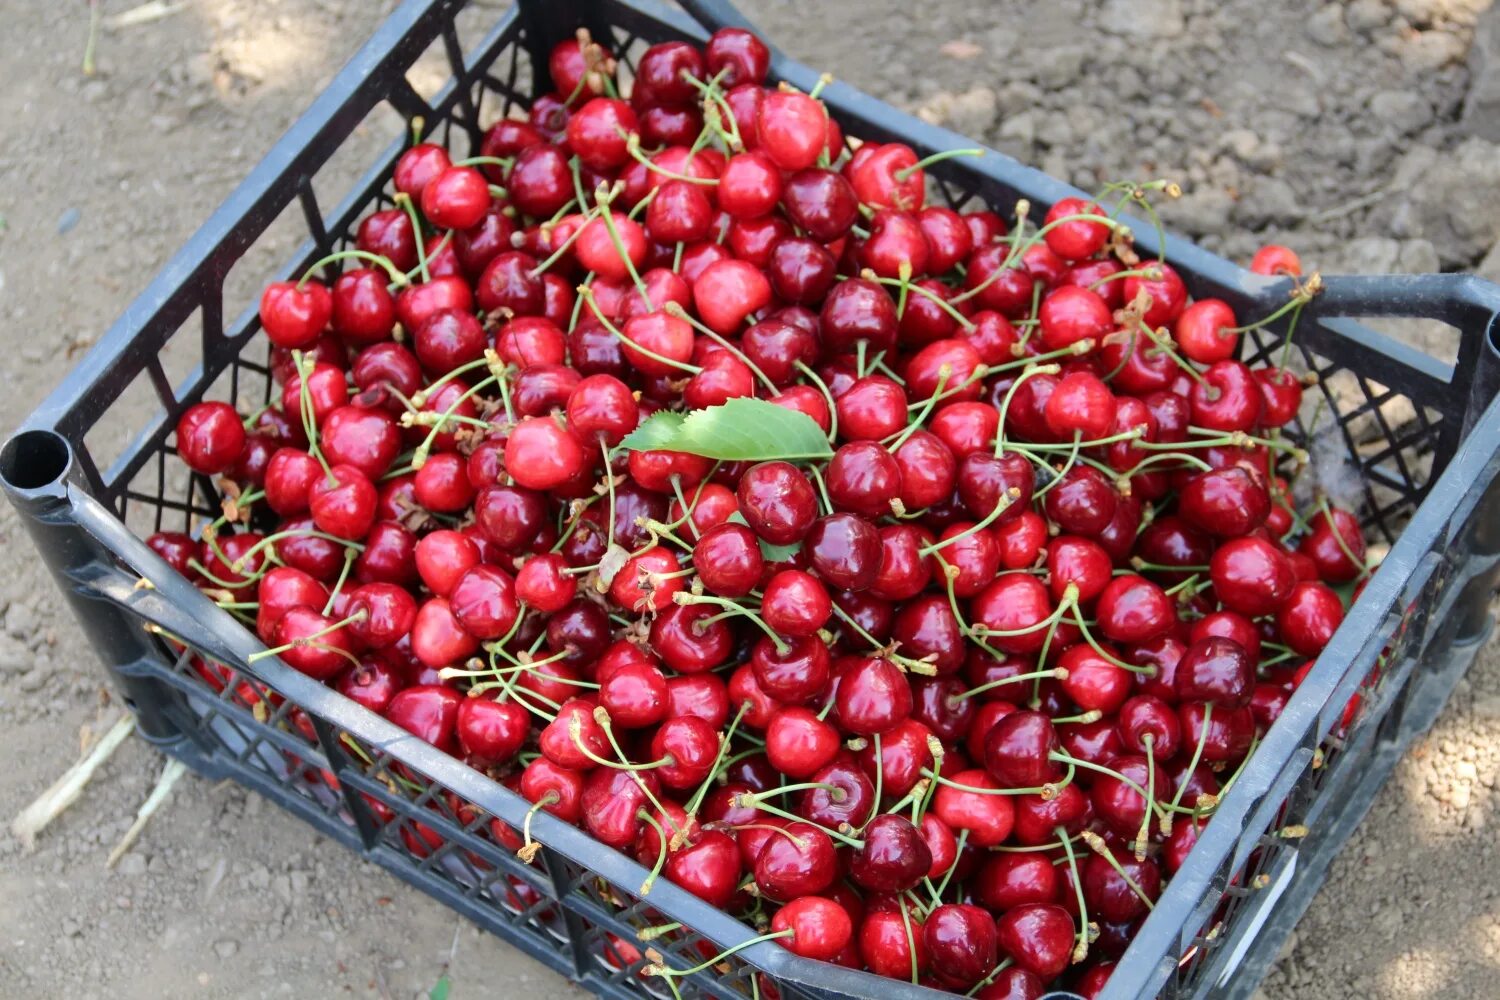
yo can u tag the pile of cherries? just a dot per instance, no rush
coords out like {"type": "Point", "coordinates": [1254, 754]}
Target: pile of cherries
{"type": "Point", "coordinates": [949, 700]}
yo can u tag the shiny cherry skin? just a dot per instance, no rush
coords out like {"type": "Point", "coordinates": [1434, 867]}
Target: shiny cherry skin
{"type": "Point", "coordinates": [894, 856]}
{"type": "Point", "coordinates": [210, 437]}
{"type": "Point", "coordinates": [1039, 936]}
{"type": "Point", "coordinates": [800, 862]}
{"type": "Point", "coordinates": [961, 941]}
{"type": "Point", "coordinates": [1309, 617]}
{"type": "Point", "coordinates": [777, 501]}
{"type": "Point", "coordinates": [1251, 576]}
{"type": "Point", "coordinates": [873, 695]}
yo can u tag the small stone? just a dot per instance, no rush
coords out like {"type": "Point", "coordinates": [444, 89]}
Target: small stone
{"type": "Point", "coordinates": [226, 948]}
{"type": "Point", "coordinates": [20, 621]}
{"type": "Point", "coordinates": [132, 864]}
{"type": "Point", "coordinates": [1270, 201]}
{"type": "Point", "coordinates": [1481, 115]}
{"type": "Point", "coordinates": [1366, 15]}
{"type": "Point", "coordinates": [1430, 50]}
{"type": "Point", "coordinates": [1458, 797]}
{"type": "Point", "coordinates": [1200, 212]}
{"type": "Point", "coordinates": [1419, 257]}
{"type": "Point", "coordinates": [67, 221]}
{"type": "Point", "coordinates": [1464, 770]}
{"type": "Point", "coordinates": [14, 657]}
{"type": "Point", "coordinates": [1402, 109]}
{"type": "Point", "coordinates": [1142, 18]}
{"type": "Point", "coordinates": [974, 111]}
{"type": "Point", "coordinates": [1061, 67]}
{"type": "Point", "coordinates": [1326, 26]}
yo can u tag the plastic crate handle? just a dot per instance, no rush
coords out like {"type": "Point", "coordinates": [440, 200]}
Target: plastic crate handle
{"type": "Point", "coordinates": [716, 14]}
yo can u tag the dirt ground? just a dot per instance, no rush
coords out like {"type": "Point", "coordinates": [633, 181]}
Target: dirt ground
{"type": "Point", "coordinates": [1338, 129]}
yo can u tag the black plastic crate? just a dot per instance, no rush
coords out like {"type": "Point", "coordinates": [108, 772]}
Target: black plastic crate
{"type": "Point", "coordinates": [1424, 436]}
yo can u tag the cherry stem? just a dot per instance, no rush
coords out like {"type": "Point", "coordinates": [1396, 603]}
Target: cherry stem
{"type": "Point", "coordinates": [661, 848]}
{"type": "Point", "coordinates": [752, 802]}
{"type": "Point", "coordinates": [1166, 817]}
{"type": "Point", "coordinates": [673, 309]}
{"type": "Point", "coordinates": [404, 200]}
{"type": "Point", "coordinates": [686, 597]}
{"type": "Point", "coordinates": [1088, 637]}
{"type": "Point", "coordinates": [384, 263]}
{"type": "Point", "coordinates": [1018, 248]}
{"type": "Point", "coordinates": [906, 663]}
{"type": "Point", "coordinates": [1081, 949]}
{"type": "Point", "coordinates": [836, 793]}
{"type": "Point", "coordinates": [947, 154]}
{"type": "Point", "coordinates": [606, 201]}
{"type": "Point", "coordinates": [936, 299]}
{"type": "Point", "coordinates": [1326, 510]}
{"type": "Point", "coordinates": [562, 248]}
{"type": "Point", "coordinates": [529, 847]}
{"type": "Point", "coordinates": [304, 641]}
{"type": "Point", "coordinates": [307, 411]}
{"type": "Point", "coordinates": [945, 371]}
{"type": "Point", "coordinates": [1047, 369]}
{"type": "Point", "coordinates": [601, 716]}
{"type": "Point", "coordinates": [1002, 505]}
{"type": "Point", "coordinates": [963, 838]}
{"type": "Point", "coordinates": [1302, 294]}
{"type": "Point", "coordinates": [911, 942]}
{"type": "Point", "coordinates": [1077, 349]}
{"type": "Point", "coordinates": [833, 413]}
{"type": "Point", "coordinates": [724, 741]}
{"type": "Point", "coordinates": [1152, 806]}
{"type": "Point", "coordinates": [587, 293]}
{"type": "Point", "coordinates": [482, 161]}
{"type": "Point", "coordinates": [1055, 673]}
{"type": "Point", "coordinates": [272, 539]}
{"type": "Point", "coordinates": [1164, 345]}
{"type": "Point", "coordinates": [1048, 791]}
{"type": "Point", "coordinates": [1005, 963]}
{"type": "Point", "coordinates": [1152, 273]}
{"type": "Point", "coordinates": [350, 554]}
{"type": "Point", "coordinates": [1143, 836]}
{"type": "Point", "coordinates": [1099, 847]}
{"type": "Point", "coordinates": [657, 969]}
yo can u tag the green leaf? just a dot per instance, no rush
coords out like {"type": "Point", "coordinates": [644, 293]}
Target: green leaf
{"type": "Point", "coordinates": [440, 991]}
{"type": "Point", "coordinates": [657, 433]}
{"type": "Point", "coordinates": [743, 429]}
{"type": "Point", "coordinates": [778, 553]}
{"type": "Point", "coordinates": [773, 553]}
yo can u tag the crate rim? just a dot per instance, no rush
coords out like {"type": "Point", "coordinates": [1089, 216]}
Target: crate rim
{"type": "Point", "coordinates": [1431, 294]}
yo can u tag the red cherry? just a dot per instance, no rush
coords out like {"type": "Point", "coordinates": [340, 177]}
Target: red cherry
{"type": "Point", "coordinates": [727, 292]}
{"type": "Point", "coordinates": [1251, 576]}
{"type": "Point", "coordinates": [418, 167]}
{"type": "Point", "coordinates": [1308, 617]}
{"type": "Point", "coordinates": [491, 732]}
{"type": "Point", "coordinates": [820, 928]}
{"type": "Point", "coordinates": [1071, 314]}
{"type": "Point", "coordinates": [294, 315]}
{"type": "Point", "coordinates": [1274, 260]}
{"type": "Point", "coordinates": [210, 437]}
{"type": "Point", "coordinates": [1075, 239]}
{"type": "Point", "coordinates": [1039, 937]}
{"type": "Point", "coordinates": [791, 128]}
{"type": "Point", "coordinates": [456, 198]}
{"type": "Point", "coordinates": [736, 57]}
{"type": "Point", "coordinates": [962, 942]}
{"type": "Point", "coordinates": [989, 818]}
{"type": "Point", "coordinates": [1205, 331]}
{"type": "Point", "coordinates": [1081, 404]}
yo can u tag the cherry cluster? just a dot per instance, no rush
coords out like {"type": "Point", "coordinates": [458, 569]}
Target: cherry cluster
{"type": "Point", "coordinates": [910, 583]}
